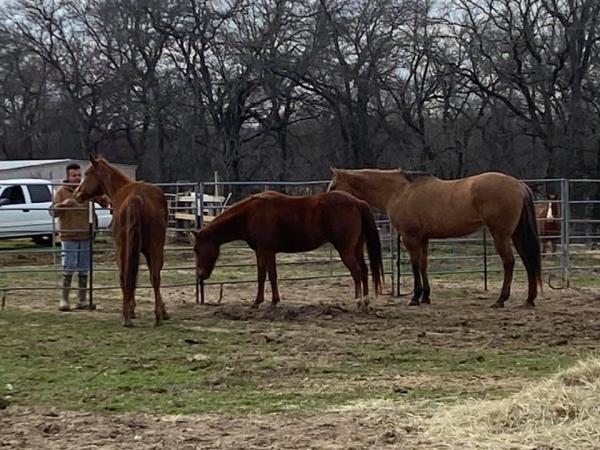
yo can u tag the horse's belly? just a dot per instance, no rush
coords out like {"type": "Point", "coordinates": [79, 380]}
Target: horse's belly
{"type": "Point", "coordinates": [297, 247]}
{"type": "Point", "coordinates": [454, 229]}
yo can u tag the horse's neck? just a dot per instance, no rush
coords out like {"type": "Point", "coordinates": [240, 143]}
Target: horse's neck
{"type": "Point", "coordinates": [115, 183]}
{"type": "Point", "coordinates": [378, 188]}
{"type": "Point", "coordinates": [228, 227]}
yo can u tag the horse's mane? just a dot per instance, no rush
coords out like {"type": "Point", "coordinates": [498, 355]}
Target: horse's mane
{"type": "Point", "coordinates": [229, 213]}
{"type": "Point", "coordinates": [413, 175]}
{"type": "Point", "coordinates": [116, 170]}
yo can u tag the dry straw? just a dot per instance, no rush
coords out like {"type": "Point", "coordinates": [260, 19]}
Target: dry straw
{"type": "Point", "coordinates": [562, 412]}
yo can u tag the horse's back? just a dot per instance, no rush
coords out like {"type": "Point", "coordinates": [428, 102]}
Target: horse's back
{"type": "Point", "coordinates": [497, 190]}
{"type": "Point", "coordinates": [439, 208]}
{"type": "Point", "coordinates": [292, 224]}
{"type": "Point", "coordinates": [149, 200]}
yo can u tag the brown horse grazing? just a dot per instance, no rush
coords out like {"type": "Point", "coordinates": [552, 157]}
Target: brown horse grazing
{"type": "Point", "coordinates": [548, 221]}
{"type": "Point", "coordinates": [422, 207]}
{"type": "Point", "coordinates": [139, 225]}
{"type": "Point", "coordinates": [271, 222]}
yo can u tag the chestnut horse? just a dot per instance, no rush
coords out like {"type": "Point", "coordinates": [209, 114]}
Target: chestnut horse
{"type": "Point", "coordinates": [423, 207]}
{"type": "Point", "coordinates": [548, 220]}
{"type": "Point", "coordinates": [271, 222]}
{"type": "Point", "coordinates": [139, 225]}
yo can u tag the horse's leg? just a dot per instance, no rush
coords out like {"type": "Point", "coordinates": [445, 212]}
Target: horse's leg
{"type": "Point", "coordinates": [504, 249]}
{"type": "Point", "coordinates": [127, 293]}
{"type": "Point", "coordinates": [272, 269]}
{"type": "Point", "coordinates": [154, 260]}
{"type": "Point", "coordinates": [360, 257]}
{"type": "Point", "coordinates": [531, 278]}
{"type": "Point", "coordinates": [414, 250]}
{"type": "Point", "coordinates": [261, 267]}
{"type": "Point", "coordinates": [544, 242]}
{"type": "Point", "coordinates": [426, 288]}
{"type": "Point", "coordinates": [349, 259]}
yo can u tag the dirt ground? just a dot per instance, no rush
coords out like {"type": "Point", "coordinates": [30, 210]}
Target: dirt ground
{"type": "Point", "coordinates": [460, 317]}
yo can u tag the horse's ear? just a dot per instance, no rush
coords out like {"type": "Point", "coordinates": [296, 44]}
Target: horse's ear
{"type": "Point", "coordinates": [333, 169]}
{"type": "Point", "coordinates": [93, 160]}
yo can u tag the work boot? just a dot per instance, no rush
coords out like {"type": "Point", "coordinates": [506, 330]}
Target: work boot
{"type": "Point", "coordinates": [66, 288]}
{"type": "Point", "coordinates": [81, 293]}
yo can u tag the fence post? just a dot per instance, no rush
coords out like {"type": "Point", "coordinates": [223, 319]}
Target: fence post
{"type": "Point", "coordinates": [391, 250]}
{"type": "Point", "coordinates": [56, 272]}
{"type": "Point", "coordinates": [565, 237]}
{"type": "Point", "coordinates": [398, 265]}
{"type": "Point", "coordinates": [198, 219]}
{"type": "Point", "coordinates": [485, 259]}
{"type": "Point", "coordinates": [91, 215]}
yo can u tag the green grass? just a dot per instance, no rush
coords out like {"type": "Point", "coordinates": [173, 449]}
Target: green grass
{"type": "Point", "coordinates": [87, 364]}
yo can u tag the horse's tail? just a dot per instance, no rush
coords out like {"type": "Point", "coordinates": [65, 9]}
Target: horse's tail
{"type": "Point", "coordinates": [526, 240]}
{"type": "Point", "coordinates": [134, 242]}
{"type": "Point", "coordinates": [371, 235]}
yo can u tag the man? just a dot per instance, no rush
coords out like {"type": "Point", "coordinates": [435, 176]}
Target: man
{"type": "Point", "coordinates": [75, 238]}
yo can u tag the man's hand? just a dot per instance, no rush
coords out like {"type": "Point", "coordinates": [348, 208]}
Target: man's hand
{"type": "Point", "coordinates": [103, 201]}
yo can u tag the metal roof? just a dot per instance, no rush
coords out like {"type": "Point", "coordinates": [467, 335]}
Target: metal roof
{"type": "Point", "coordinates": [21, 163]}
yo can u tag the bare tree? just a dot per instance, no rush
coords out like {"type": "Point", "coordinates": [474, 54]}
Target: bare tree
{"type": "Point", "coordinates": [132, 50]}
{"type": "Point", "coordinates": [528, 54]}
{"type": "Point", "coordinates": [23, 99]}
{"type": "Point", "coordinates": [46, 28]}
{"type": "Point", "coordinates": [354, 51]}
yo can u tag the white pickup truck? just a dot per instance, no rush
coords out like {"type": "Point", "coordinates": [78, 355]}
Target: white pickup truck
{"type": "Point", "coordinates": [24, 205]}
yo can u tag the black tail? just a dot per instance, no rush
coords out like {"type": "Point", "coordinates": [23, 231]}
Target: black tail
{"type": "Point", "coordinates": [134, 242]}
{"type": "Point", "coordinates": [371, 235]}
{"type": "Point", "coordinates": [527, 243]}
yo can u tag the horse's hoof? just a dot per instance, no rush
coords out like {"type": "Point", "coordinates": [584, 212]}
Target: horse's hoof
{"type": "Point", "coordinates": [414, 303]}
{"type": "Point", "coordinates": [128, 324]}
{"type": "Point", "coordinates": [528, 305]}
{"type": "Point", "coordinates": [497, 305]}
{"type": "Point", "coordinates": [254, 305]}
{"type": "Point", "coordinates": [166, 316]}
{"type": "Point", "coordinates": [158, 323]}
{"type": "Point", "coordinates": [426, 301]}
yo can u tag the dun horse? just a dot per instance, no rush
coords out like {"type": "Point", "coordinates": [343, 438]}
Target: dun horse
{"type": "Point", "coordinates": [422, 207]}
{"type": "Point", "coordinates": [139, 225]}
{"type": "Point", "coordinates": [271, 222]}
{"type": "Point", "coordinates": [548, 220]}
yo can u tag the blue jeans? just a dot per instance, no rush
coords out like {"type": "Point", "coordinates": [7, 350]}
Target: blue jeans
{"type": "Point", "coordinates": [76, 256]}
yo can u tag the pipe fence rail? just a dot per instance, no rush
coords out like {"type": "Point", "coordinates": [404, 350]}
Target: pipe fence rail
{"type": "Point", "coordinates": [27, 267]}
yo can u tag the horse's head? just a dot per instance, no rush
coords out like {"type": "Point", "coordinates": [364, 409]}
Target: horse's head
{"type": "Point", "coordinates": [93, 184]}
{"type": "Point", "coordinates": [207, 253]}
{"type": "Point", "coordinates": [340, 182]}
{"type": "Point", "coordinates": [553, 206]}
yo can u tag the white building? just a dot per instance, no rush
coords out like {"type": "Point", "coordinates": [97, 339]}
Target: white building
{"type": "Point", "coordinates": [49, 169]}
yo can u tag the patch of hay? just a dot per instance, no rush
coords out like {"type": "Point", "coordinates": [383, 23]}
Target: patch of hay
{"type": "Point", "coordinates": [562, 412]}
